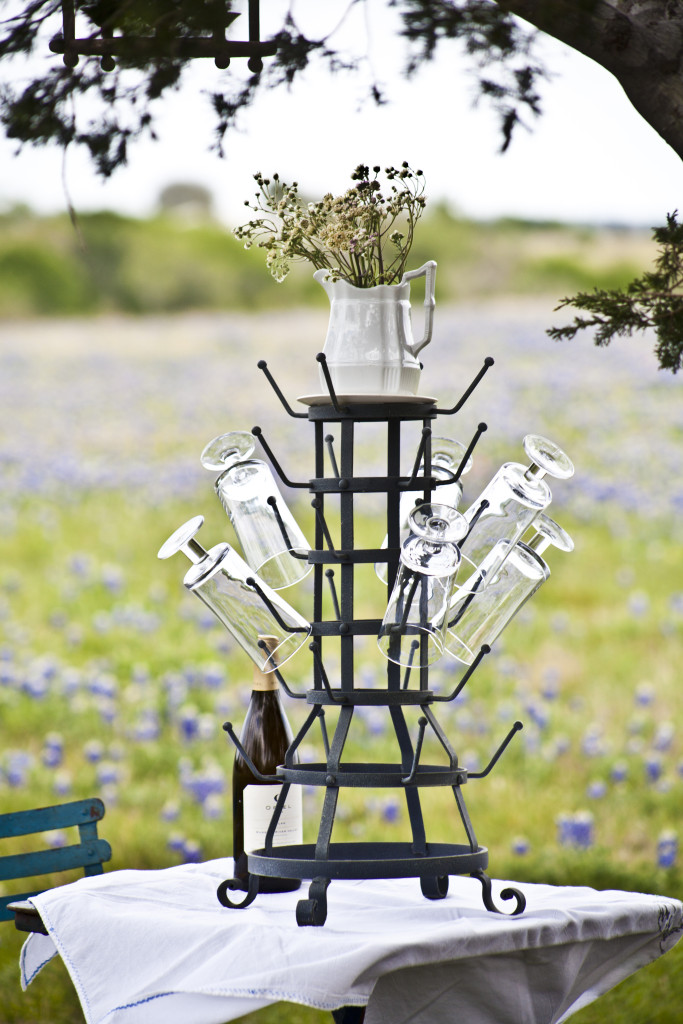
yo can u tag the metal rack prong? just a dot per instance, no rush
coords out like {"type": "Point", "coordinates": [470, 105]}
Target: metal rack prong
{"type": "Point", "coordinates": [483, 651]}
{"type": "Point", "coordinates": [424, 437]}
{"type": "Point", "coordinates": [275, 818]}
{"type": "Point", "coordinates": [322, 359]}
{"type": "Point", "coordinates": [263, 365]}
{"type": "Point", "coordinates": [481, 429]}
{"type": "Point", "coordinates": [272, 501]}
{"type": "Point", "coordinates": [422, 725]}
{"type": "Point", "coordinates": [329, 441]}
{"type": "Point", "coordinates": [320, 515]}
{"type": "Point", "coordinates": [441, 736]}
{"type": "Point", "coordinates": [414, 584]}
{"type": "Point", "coordinates": [414, 644]}
{"type": "Point", "coordinates": [480, 775]}
{"type": "Point", "coordinates": [484, 504]}
{"type": "Point", "coordinates": [329, 574]}
{"type": "Point", "coordinates": [488, 362]}
{"type": "Point", "coordinates": [469, 599]}
{"type": "Point", "coordinates": [323, 732]}
{"type": "Point", "coordinates": [452, 478]}
{"type": "Point", "coordinates": [298, 739]}
{"type": "Point", "coordinates": [258, 433]}
{"type": "Point", "coordinates": [251, 582]}
{"type": "Point", "coordinates": [314, 647]}
{"type": "Point", "coordinates": [277, 673]}
{"type": "Point", "coordinates": [227, 726]}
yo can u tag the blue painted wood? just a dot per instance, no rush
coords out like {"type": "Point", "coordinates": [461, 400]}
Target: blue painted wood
{"type": "Point", "coordinates": [46, 862]}
{"type": "Point", "coordinates": [88, 854]}
{"type": "Point", "coordinates": [7, 915]}
{"type": "Point", "coordinates": [42, 819]}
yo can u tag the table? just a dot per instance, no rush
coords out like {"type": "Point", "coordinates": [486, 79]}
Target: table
{"type": "Point", "coordinates": [156, 947]}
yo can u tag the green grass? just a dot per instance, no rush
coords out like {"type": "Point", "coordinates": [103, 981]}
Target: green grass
{"type": "Point", "coordinates": [98, 448]}
{"type": "Point", "coordinates": [600, 655]}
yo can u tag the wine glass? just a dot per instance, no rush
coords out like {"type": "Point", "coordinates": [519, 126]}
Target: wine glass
{"type": "Point", "coordinates": [479, 616]}
{"type": "Point", "coordinates": [447, 456]}
{"type": "Point", "coordinates": [271, 541]}
{"type": "Point", "coordinates": [248, 608]}
{"type": "Point", "coordinates": [508, 506]}
{"type": "Point", "coordinates": [412, 631]}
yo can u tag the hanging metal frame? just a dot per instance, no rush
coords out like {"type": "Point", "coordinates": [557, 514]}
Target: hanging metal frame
{"type": "Point", "coordinates": [324, 860]}
{"type": "Point", "coordinates": [213, 44]}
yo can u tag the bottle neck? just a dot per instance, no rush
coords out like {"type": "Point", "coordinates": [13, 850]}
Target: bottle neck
{"type": "Point", "coordinates": [264, 681]}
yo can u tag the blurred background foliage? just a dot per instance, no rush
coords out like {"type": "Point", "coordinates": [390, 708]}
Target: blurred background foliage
{"type": "Point", "coordinates": [115, 682]}
{"type": "Point", "coordinates": [182, 259]}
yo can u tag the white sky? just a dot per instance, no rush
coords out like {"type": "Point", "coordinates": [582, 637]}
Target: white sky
{"type": "Point", "coordinates": [589, 158]}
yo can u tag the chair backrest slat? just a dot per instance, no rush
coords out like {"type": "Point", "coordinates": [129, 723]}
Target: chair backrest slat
{"type": "Point", "coordinates": [87, 855]}
{"type": "Point", "coordinates": [46, 862]}
{"type": "Point", "coordinates": [43, 819]}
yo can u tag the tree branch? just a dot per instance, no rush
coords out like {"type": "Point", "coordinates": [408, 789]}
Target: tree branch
{"type": "Point", "coordinates": [653, 301]}
{"type": "Point", "coordinates": [640, 44]}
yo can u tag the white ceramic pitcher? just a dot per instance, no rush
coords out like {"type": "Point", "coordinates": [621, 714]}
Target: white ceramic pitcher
{"type": "Point", "coordinates": [369, 346]}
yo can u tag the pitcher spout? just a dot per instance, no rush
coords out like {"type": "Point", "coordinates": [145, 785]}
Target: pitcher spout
{"type": "Point", "coordinates": [323, 277]}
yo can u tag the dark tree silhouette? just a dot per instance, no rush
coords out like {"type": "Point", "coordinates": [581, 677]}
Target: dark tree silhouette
{"type": "Point", "coordinates": [132, 52]}
{"type": "Point", "coordinates": [154, 40]}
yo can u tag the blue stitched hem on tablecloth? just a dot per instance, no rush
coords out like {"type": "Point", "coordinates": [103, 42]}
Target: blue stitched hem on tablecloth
{"type": "Point", "coordinates": [38, 968]}
{"type": "Point", "coordinates": [276, 996]}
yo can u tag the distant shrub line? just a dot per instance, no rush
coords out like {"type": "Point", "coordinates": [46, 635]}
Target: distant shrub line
{"type": "Point", "coordinates": [164, 265]}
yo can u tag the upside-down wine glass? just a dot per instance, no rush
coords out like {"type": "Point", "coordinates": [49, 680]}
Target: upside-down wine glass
{"type": "Point", "coordinates": [268, 533]}
{"type": "Point", "coordinates": [479, 616]}
{"type": "Point", "coordinates": [508, 506]}
{"type": "Point", "coordinates": [412, 631]}
{"type": "Point", "coordinates": [248, 608]}
{"type": "Point", "coordinates": [447, 456]}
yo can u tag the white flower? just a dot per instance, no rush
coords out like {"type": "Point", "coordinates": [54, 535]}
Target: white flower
{"type": "Point", "coordinates": [347, 235]}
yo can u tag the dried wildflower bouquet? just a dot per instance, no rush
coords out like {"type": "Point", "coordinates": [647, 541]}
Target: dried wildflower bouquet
{"type": "Point", "coordinates": [363, 236]}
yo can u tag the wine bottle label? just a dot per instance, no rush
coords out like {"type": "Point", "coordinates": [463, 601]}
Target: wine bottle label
{"type": "Point", "coordinates": [259, 806]}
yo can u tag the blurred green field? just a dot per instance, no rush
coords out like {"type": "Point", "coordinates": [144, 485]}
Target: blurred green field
{"type": "Point", "coordinates": [105, 658]}
{"type": "Point", "coordinates": [112, 263]}
{"type": "Point", "coordinates": [582, 680]}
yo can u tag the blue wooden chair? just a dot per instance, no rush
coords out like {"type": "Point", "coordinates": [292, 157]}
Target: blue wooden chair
{"type": "Point", "coordinates": [89, 854]}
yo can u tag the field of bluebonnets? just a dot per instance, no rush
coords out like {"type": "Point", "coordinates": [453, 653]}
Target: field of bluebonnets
{"type": "Point", "coordinates": [115, 682]}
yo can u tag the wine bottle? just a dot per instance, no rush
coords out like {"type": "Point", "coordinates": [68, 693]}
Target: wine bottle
{"type": "Point", "coordinates": [266, 735]}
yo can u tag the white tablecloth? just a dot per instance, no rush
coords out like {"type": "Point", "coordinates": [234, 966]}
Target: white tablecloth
{"type": "Point", "coordinates": [156, 946]}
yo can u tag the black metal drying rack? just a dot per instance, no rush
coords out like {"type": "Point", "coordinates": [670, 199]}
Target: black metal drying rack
{"type": "Point", "coordinates": [324, 861]}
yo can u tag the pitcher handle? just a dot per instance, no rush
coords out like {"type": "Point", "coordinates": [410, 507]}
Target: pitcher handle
{"type": "Point", "coordinates": [428, 270]}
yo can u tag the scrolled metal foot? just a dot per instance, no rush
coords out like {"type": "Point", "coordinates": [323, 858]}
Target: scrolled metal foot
{"type": "Point", "coordinates": [506, 894]}
{"type": "Point", "coordinates": [313, 911]}
{"type": "Point", "coordinates": [434, 887]}
{"type": "Point", "coordinates": [236, 884]}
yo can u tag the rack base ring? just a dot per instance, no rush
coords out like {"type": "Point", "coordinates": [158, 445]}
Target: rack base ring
{"type": "Point", "coordinates": [369, 860]}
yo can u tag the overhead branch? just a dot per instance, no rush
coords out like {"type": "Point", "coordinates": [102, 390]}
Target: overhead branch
{"type": "Point", "coordinates": [640, 44]}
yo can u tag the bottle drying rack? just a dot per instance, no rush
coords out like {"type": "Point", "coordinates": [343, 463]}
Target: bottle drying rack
{"type": "Point", "coordinates": [324, 861]}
